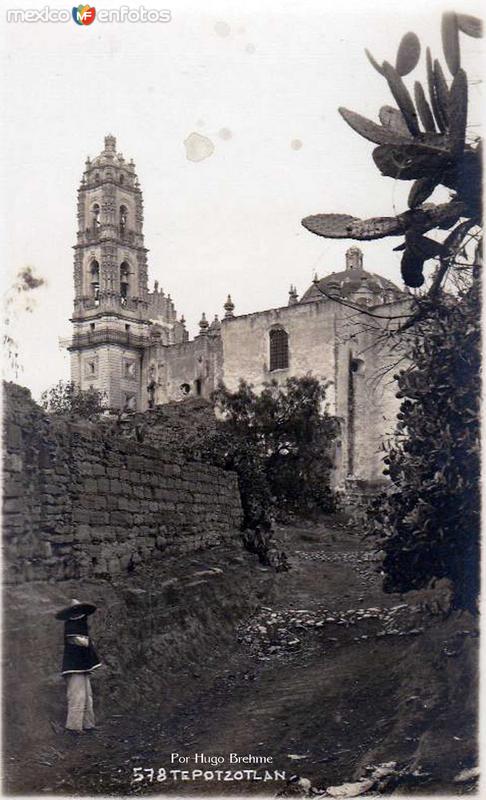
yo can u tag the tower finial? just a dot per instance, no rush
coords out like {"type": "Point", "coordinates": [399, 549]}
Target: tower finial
{"type": "Point", "coordinates": [215, 326]}
{"type": "Point", "coordinates": [354, 258]}
{"type": "Point", "coordinates": [293, 296]}
{"type": "Point", "coordinates": [110, 143]}
{"type": "Point", "coordinates": [229, 308]}
{"type": "Point", "coordinates": [203, 324]}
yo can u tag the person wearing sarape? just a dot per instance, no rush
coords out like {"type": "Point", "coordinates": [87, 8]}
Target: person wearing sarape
{"type": "Point", "coordinates": [79, 660]}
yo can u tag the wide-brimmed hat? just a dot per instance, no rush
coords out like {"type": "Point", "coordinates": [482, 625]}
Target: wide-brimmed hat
{"type": "Point", "coordinates": [76, 609]}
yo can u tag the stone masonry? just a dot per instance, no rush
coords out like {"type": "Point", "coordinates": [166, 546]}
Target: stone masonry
{"type": "Point", "coordinates": [82, 502]}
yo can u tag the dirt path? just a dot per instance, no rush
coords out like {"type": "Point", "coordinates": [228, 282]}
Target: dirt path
{"type": "Point", "coordinates": [311, 684]}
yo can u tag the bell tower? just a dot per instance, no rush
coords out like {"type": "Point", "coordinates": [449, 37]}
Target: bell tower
{"type": "Point", "coordinates": [111, 299]}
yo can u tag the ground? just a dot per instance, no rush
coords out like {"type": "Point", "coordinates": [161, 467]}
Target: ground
{"type": "Point", "coordinates": [330, 677]}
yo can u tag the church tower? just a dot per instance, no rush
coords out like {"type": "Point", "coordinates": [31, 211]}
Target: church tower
{"type": "Point", "coordinates": [111, 301]}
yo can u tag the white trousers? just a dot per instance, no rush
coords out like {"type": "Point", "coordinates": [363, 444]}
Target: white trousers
{"type": "Point", "coordinates": [80, 714]}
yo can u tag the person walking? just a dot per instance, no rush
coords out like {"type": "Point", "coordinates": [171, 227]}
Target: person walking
{"type": "Point", "coordinates": [79, 660]}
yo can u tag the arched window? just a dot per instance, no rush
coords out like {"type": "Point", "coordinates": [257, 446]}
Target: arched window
{"type": "Point", "coordinates": [279, 349]}
{"type": "Point", "coordinates": [124, 282]}
{"type": "Point", "coordinates": [122, 178]}
{"type": "Point", "coordinates": [95, 282]}
{"type": "Point", "coordinates": [95, 211]}
{"type": "Point", "coordinates": [123, 219]}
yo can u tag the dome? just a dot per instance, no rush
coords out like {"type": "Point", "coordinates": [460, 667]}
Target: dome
{"type": "Point", "coordinates": [109, 165]}
{"type": "Point", "coordinates": [351, 280]}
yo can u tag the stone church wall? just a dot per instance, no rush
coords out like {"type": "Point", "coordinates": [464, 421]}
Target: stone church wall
{"type": "Point", "coordinates": [334, 343]}
{"type": "Point", "coordinates": [310, 328]}
{"type": "Point", "coordinates": [367, 357]}
{"type": "Point", "coordinates": [81, 502]}
{"type": "Point", "coordinates": [116, 371]}
{"type": "Point", "coordinates": [195, 365]}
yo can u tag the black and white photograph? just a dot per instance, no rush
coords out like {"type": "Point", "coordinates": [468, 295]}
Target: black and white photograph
{"type": "Point", "coordinates": [241, 398]}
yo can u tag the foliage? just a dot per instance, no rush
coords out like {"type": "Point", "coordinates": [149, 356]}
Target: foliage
{"type": "Point", "coordinates": [292, 434]}
{"type": "Point", "coordinates": [67, 399]}
{"type": "Point", "coordinates": [18, 298]}
{"type": "Point", "coordinates": [423, 141]}
{"type": "Point", "coordinates": [429, 521]}
{"type": "Point", "coordinates": [278, 442]}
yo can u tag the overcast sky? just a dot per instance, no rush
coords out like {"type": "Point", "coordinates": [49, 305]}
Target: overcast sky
{"type": "Point", "coordinates": [263, 81]}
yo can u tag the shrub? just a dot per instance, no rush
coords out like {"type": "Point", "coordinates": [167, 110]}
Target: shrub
{"type": "Point", "coordinates": [231, 450]}
{"type": "Point", "coordinates": [67, 399]}
{"type": "Point", "coordinates": [429, 521]}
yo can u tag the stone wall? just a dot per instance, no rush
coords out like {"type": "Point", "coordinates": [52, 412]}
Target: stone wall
{"type": "Point", "coordinates": [188, 369]}
{"type": "Point", "coordinates": [81, 501]}
{"type": "Point", "coordinates": [337, 344]}
{"type": "Point", "coordinates": [367, 357]}
{"type": "Point", "coordinates": [171, 426]}
{"type": "Point", "coordinates": [114, 369]}
{"type": "Point", "coordinates": [311, 328]}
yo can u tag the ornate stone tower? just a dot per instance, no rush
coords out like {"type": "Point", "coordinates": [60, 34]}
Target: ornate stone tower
{"type": "Point", "coordinates": [111, 302]}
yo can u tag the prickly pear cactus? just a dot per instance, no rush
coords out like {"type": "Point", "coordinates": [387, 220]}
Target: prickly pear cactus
{"type": "Point", "coordinates": [423, 140]}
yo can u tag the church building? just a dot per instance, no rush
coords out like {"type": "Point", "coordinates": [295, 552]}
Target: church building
{"type": "Point", "coordinates": [129, 343]}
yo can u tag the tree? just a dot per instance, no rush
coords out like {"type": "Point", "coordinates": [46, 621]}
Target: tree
{"type": "Point", "coordinates": [293, 434]}
{"type": "Point", "coordinates": [424, 141]}
{"type": "Point", "coordinates": [67, 399]}
{"type": "Point", "coordinates": [429, 521]}
{"type": "Point", "coordinates": [280, 444]}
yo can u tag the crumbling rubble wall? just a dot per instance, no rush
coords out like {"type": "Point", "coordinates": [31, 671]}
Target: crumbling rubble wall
{"type": "Point", "coordinates": [172, 426]}
{"type": "Point", "coordinates": [81, 501]}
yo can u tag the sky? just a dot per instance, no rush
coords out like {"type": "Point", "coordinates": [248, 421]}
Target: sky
{"type": "Point", "coordinates": [263, 81]}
